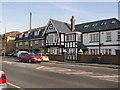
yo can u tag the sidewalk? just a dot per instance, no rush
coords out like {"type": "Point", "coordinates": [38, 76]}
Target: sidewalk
{"type": "Point", "coordinates": [87, 64]}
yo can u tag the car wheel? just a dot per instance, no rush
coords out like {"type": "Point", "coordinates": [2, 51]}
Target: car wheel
{"type": "Point", "coordinates": [20, 60]}
{"type": "Point", "coordinates": [29, 60]}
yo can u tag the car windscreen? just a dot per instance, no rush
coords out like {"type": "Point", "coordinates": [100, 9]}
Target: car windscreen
{"type": "Point", "coordinates": [32, 54]}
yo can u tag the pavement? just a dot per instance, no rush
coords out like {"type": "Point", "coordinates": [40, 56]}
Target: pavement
{"type": "Point", "coordinates": [87, 64]}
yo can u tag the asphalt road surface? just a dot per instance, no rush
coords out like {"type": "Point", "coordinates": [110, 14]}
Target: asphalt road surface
{"type": "Point", "coordinates": [52, 75]}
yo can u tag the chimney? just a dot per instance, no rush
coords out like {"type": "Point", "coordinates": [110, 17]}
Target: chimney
{"type": "Point", "coordinates": [72, 24]}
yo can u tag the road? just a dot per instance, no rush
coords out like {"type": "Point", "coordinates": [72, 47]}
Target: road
{"type": "Point", "coordinates": [53, 75]}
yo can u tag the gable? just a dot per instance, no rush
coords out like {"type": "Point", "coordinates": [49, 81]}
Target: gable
{"type": "Point", "coordinates": [50, 28]}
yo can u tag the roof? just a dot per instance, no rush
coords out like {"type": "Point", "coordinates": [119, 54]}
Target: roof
{"type": "Point", "coordinates": [61, 26]}
{"type": "Point", "coordinates": [81, 46]}
{"type": "Point", "coordinates": [102, 25]}
{"type": "Point", "coordinates": [12, 34]}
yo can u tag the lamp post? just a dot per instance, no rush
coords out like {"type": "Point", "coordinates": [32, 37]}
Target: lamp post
{"type": "Point", "coordinates": [30, 31]}
{"type": "Point", "coordinates": [99, 47]}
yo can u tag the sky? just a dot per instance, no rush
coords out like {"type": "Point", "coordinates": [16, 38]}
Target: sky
{"type": "Point", "coordinates": [15, 15]}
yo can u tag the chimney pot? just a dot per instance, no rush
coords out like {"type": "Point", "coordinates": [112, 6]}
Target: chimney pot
{"type": "Point", "coordinates": [72, 23]}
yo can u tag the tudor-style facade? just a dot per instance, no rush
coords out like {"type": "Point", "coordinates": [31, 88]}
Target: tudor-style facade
{"type": "Point", "coordinates": [55, 36]}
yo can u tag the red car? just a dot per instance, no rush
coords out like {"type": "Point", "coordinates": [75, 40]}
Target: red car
{"type": "Point", "coordinates": [30, 57]}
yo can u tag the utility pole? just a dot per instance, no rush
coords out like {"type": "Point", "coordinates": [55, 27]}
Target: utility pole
{"type": "Point", "coordinates": [30, 31]}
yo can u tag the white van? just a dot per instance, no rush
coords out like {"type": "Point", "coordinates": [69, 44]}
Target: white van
{"type": "Point", "coordinates": [21, 52]}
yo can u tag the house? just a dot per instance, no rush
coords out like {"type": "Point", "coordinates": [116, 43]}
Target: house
{"type": "Point", "coordinates": [8, 44]}
{"type": "Point", "coordinates": [30, 40]}
{"type": "Point", "coordinates": [101, 37]}
{"type": "Point", "coordinates": [55, 36]}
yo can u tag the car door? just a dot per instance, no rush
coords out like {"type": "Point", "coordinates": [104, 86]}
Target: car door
{"type": "Point", "coordinates": [26, 56]}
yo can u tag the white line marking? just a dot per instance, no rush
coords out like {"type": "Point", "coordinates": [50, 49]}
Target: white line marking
{"type": "Point", "coordinates": [15, 86]}
{"type": "Point", "coordinates": [8, 62]}
{"type": "Point", "coordinates": [40, 67]}
{"type": "Point", "coordinates": [116, 76]}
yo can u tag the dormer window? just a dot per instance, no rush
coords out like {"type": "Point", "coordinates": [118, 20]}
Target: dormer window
{"type": "Point", "coordinates": [103, 23]}
{"type": "Point", "coordinates": [113, 22]}
{"type": "Point", "coordinates": [95, 24]}
{"type": "Point", "coordinates": [21, 35]}
{"type": "Point", "coordinates": [86, 26]}
{"type": "Point", "coordinates": [36, 33]}
{"type": "Point", "coordinates": [26, 35]}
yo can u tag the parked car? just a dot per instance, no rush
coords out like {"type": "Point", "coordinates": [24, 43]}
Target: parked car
{"type": "Point", "coordinates": [3, 84]}
{"type": "Point", "coordinates": [44, 57]}
{"type": "Point", "coordinates": [30, 57]}
{"type": "Point", "coordinates": [12, 54]}
{"type": "Point", "coordinates": [21, 52]}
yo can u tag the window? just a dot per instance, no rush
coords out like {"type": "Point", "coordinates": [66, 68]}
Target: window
{"type": "Point", "coordinates": [113, 22]}
{"type": "Point", "coordinates": [30, 43]}
{"type": "Point", "coordinates": [16, 44]}
{"type": "Point", "coordinates": [86, 26]}
{"type": "Point", "coordinates": [78, 37]}
{"type": "Point", "coordinates": [20, 43]}
{"type": "Point", "coordinates": [118, 35]}
{"type": "Point", "coordinates": [42, 42]}
{"type": "Point", "coordinates": [26, 34]}
{"type": "Point", "coordinates": [26, 43]}
{"type": "Point", "coordinates": [108, 36]}
{"type": "Point", "coordinates": [36, 33]}
{"type": "Point", "coordinates": [36, 42]}
{"type": "Point", "coordinates": [21, 35]}
{"type": "Point", "coordinates": [52, 38]}
{"type": "Point", "coordinates": [94, 37]}
{"type": "Point", "coordinates": [95, 24]}
{"type": "Point", "coordinates": [62, 37]}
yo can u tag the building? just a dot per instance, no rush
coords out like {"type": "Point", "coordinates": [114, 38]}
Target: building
{"type": "Point", "coordinates": [8, 44]}
{"type": "Point", "coordinates": [30, 40]}
{"type": "Point", "coordinates": [55, 36]}
{"type": "Point", "coordinates": [101, 37]}
{"type": "Point", "coordinates": [92, 38]}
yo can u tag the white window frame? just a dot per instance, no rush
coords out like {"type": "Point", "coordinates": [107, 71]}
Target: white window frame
{"type": "Point", "coordinates": [26, 34]}
{"type": "Point", "coordinates": [20, 43]}
{"type": "Point", "coordinates": [108, 36]}
{"type": "Point", "coordinates": [94, 37]}
{"type": "Point", "coordinates": [26, 42]}
{"type": "Point", "coordinates": [36, 33]}
{"type": "Point", "coordinates": [36, 42]}
{"type": "Point", "coordinates": [16, 44]}
{"type": "Point", "coordinates": [118, 35]}
{"type": "Point", "coordinates": [20, 35]}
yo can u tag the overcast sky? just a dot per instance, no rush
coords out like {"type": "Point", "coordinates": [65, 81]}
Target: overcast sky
{"type": "Point", "coordinates": [15, 15]}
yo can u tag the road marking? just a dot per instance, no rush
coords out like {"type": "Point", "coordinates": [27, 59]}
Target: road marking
{"type": "Point", "coordinates": [107, 76]}
{"type": "Point", "coordinates": [40, 67]}
{"type": "Point", "coordinates": [63, 70]}
{"type": "Point", "coordinates": [15, 86]}
{"type": "Point", "coordinates": [8, 62]}
{"type": "Point", "coordinates": [113, 78]}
